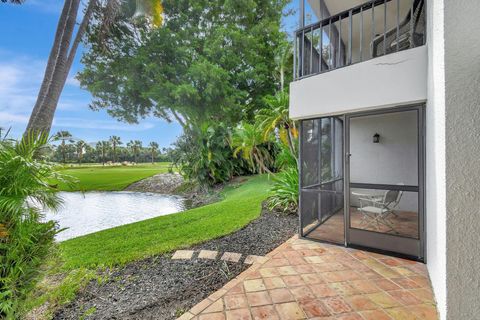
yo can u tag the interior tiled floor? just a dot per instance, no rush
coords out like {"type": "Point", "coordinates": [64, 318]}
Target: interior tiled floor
{"type": "Point", "coordinates": [405, 223]}
{"type": "Point", "coordinates": [302, 279]}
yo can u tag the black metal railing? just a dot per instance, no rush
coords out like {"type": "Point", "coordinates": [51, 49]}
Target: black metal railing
{"type": "Point", "coordinates": [348, 37]}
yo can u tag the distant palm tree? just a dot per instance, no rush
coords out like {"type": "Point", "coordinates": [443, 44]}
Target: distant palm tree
{"type": "Point", "coordinates": [102, 147]}
{"type": "Point", "coordinates": [80, 145]}
{"type": "Point", "coordinates": [13, 1]}
{"type": "Point", "coordinates": [135, 146]}
{"type": "Point", "coordinates": [153, 149]}
{"type": "Point", "coordinates": [63, 136]}
{"type": "Point", "coordinates": [115, 141]}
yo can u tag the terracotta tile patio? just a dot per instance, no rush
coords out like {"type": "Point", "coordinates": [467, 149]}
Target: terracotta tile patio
{"type": "Point", "coordinates": [302, 279]}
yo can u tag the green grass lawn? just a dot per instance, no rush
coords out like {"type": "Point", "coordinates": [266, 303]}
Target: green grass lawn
{"type": "Point", "coordinates": [240, 205]}
{"type": "Point", "coordinates": [109, 178]}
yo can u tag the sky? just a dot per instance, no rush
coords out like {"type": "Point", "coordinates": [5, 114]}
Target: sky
{"type": "Point", "coordinates": [26, 38]}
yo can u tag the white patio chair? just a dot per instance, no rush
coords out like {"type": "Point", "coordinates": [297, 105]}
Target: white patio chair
{"type": "Point", "coordinates": [376, 211]}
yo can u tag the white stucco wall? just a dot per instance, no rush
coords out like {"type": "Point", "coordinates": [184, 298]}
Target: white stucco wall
{"type": "Point", "coordinates": [392, 161]}
{"type": "Point", "coordinates": [462, 106]}
{"type": "Point", "coordinates": [392, 80]}
{"type": "Point", "coordinates": [435, 155]}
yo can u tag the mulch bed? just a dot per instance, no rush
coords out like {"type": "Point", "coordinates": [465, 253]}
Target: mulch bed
{"type": "Point", "coordinates": [161, 288]}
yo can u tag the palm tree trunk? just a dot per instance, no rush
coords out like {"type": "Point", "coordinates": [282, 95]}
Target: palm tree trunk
{"type": "Point", "coordinates": [63, 152]}
{"type": "Point", "coordinates": [44, 110]}
{"type": "Point", "coordinates": [52, 60]}
{"type": "Point", "coordinates": [291, 146]}
{"type": "Point", "coordinates": [260, 161]}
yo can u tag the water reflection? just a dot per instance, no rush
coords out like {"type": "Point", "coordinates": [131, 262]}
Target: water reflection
{"type": "Point", "coordinates": [84, 213]}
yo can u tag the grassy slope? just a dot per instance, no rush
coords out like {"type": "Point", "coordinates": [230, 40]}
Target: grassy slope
{"type": "Point", "coordinates": [110, 178]}
{"type": "Point", "coordinates": [159, 235]}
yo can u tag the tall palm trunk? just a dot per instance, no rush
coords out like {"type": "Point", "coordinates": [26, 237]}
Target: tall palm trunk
{"type": "Point", "coordinates": [63, 152]}
{"type": "Point", "coordinates": [58, 65]}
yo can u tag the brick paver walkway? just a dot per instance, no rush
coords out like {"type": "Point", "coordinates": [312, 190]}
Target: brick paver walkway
{"type": "Point", "coordinates": [307, 280]}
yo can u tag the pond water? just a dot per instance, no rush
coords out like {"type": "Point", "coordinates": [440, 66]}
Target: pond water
{"type": "Point", "coordinates": [84, 213]}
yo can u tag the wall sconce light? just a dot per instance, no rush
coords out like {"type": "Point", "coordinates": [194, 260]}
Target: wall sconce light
{"type": "Point", "coordinates": [376, 138]}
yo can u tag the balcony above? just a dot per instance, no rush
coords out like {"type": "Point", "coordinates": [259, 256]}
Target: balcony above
{"type": "Point", "coordinates": [388, 81]}
{"type": "Point", "coordinates": [372, 56]}
{"type": "Point", "coordinates": [360, 33]}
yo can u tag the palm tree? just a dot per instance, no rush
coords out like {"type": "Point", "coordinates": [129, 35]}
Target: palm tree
{"type": "Point", "coordinates": [247, 139]}
{"type": "Point", "coordinates": [115, 141]}
{"type": "Point", "coordinates": [80, 149]}
{"type": "Point", "coordinates": [135, 146]}
{"type": "Point", "coordinates": [283, 55]}
{"type": "Point", "coordinates": [276, 117]}
{"type": "Point", "coordinates": [26, 237]}
{"type": "Point", "coordinates": [65, 46]}
{"type": "Point", "coordinates": [102, 147]}
{"type": "Point", "coordinates": [63, 136]}
{"type": "Point", "coordinates": [153, 149]}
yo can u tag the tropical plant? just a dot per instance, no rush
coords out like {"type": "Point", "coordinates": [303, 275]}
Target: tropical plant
{"type": "Point", "coordinates": [25, 238]}
{"type": "Point", "coordinates": [285, 191]}
{"type": "Point", "coordinates": [284, 64]}
{"type": "Point", "coordinates": [115, 141]}
{"type": "Point", "coordinates": [274, 118]}
{"type": "Point", "coordinates": [80, 146]}
{"type": "Point", "coordinates": [63, 136]}
{"type": "Point", "coordinates": [204, 155]}
{"type": "Point", "coordinates": [135, 146]}
{"type": "Point", "coordinates": [102, 148]}
{"type": "Point", "coordinates": [248, 141]}
{"type": "Point", "coordinates": [153, 149]}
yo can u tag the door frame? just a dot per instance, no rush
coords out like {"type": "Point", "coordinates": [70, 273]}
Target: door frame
{"type": "Point", "coordinates": [411, 248]}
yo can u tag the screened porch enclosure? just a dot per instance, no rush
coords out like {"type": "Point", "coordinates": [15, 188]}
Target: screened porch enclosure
{"type": "Point", "coordinates": [361, 180]}
{"type": "Point", "coordinates": [322, 184]}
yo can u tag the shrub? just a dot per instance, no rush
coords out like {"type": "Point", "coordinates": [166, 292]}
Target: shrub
{"type": "Point", "coordinates": [285, 191]}
{"type": "Point", "coordinates": [25, 239]}
{"type": "Point", "coordinates": [204, 155]}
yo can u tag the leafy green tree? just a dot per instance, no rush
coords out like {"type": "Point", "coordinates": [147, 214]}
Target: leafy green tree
{"type": "Point", "coordinates": [13, 1]}
{"type": "Point", "coordinates": [115, 141]}
{"type": "Point", "coordinates": [63, 136]}
{"type": "Point", "coordinates": [153, 149]}
{"type": "Point", "coordinates": [212, 60]}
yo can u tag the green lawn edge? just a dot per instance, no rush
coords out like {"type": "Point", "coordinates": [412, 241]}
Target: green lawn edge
{"type": "Point", "coordinates": [109, 178]}
{"type": "Point", "coordinates": [142, 239]}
